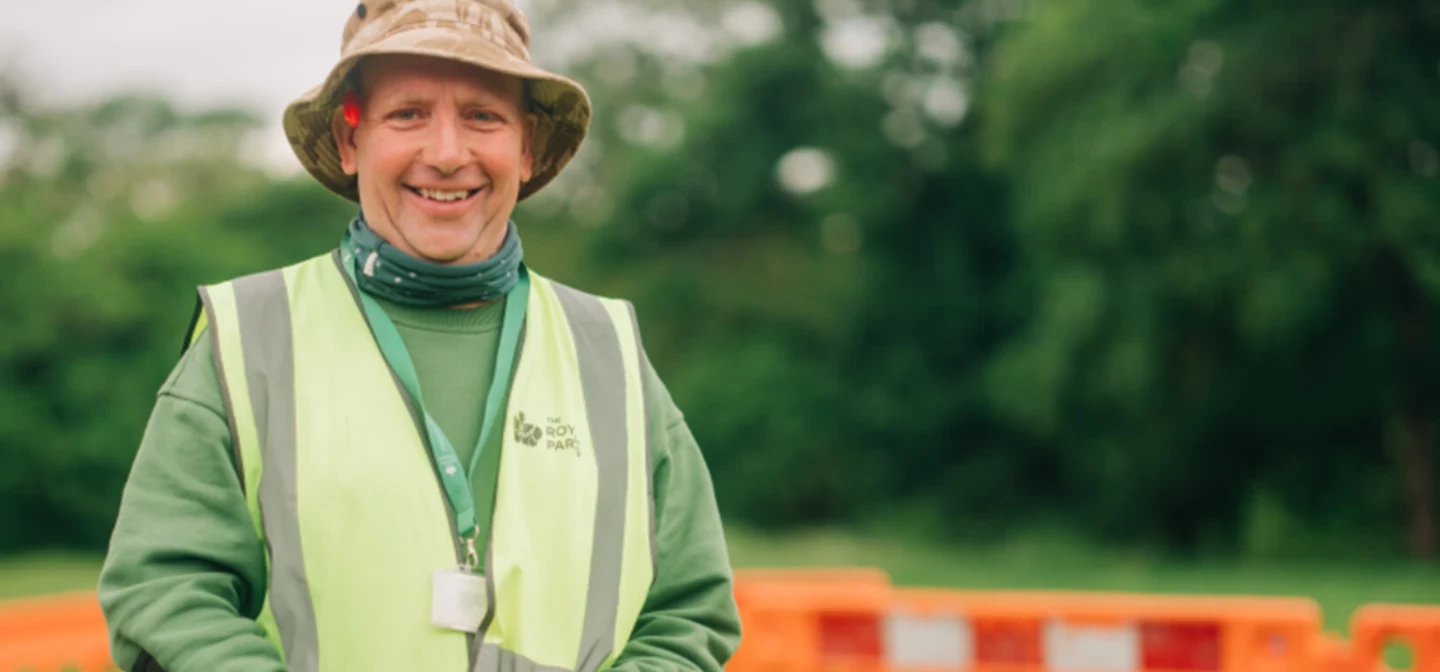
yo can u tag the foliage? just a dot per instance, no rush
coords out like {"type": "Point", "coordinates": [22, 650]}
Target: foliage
{"type": "Point", "coordinates": [1173, 286]}
{"type": "Point", "coordinates": [109, 218]}
{"type": "Point", "coordinates": [1233, 239]}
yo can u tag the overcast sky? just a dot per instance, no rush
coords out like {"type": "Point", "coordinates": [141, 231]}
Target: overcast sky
{"type": "Point", "coordinates": [261, 54]}
{"type": "Point", "coordinates": [199, 51]}
{"type": "Point", "coordinates": [257, 53]}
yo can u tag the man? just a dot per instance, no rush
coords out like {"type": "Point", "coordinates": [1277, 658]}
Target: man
{"type": "Point", "coordinates": [413, 452]}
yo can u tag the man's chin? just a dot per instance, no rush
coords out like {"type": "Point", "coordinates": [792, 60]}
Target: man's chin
{"type": "Point", "coordinates": [440, 242]}
{"type": "Point", "coordinates": [464, 250]}
{"type": "Point", "coordinates": [459, 241]}
{"type": "Point", "coordinates": [445, 255]}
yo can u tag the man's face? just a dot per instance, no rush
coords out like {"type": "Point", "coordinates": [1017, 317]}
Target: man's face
{"type": "Point", "coordinates": [440, 153]}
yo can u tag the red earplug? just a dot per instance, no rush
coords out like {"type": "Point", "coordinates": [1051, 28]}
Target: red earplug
{"type": "Point", "coordinates": [351, 105]}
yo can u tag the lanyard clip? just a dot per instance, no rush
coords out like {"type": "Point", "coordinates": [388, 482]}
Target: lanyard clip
{"type": "Point", "coordinates": [472, 558]}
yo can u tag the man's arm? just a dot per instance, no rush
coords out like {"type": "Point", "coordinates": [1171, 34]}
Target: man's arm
{"type": "Point", "coordinates": [185, 573]}
{"type": "Point", "coordinates": [690, 621]}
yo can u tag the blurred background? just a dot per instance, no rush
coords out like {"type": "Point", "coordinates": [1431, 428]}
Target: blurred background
{"type": "Point", "coordinates": [1095, 294]}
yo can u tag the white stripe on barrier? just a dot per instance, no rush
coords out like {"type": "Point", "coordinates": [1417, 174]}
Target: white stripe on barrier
{"type": "Point", "coordinates": [941, 640]}
{"type": "Point", "coordinates": [1091, 648]}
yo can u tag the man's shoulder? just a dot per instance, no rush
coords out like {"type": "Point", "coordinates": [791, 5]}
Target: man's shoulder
{"type": "Point", "coordinates": [567, 287]}
{"type": "Point", "coordinates": [328, 257]}
{"type": "Point", "coordinates": [599, 307]}
{"type": "Point", "coordinates": [207, 293]}
{"type": "Point", "coordinates": [570, 293]}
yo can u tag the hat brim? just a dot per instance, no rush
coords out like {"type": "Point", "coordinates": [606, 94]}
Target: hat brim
{"type": "Point", "coordinates": [562, 107]}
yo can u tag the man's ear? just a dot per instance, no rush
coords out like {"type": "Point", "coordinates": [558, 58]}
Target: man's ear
{"type": "Point", "coordinates": [345, 142]}
{"type": "Point", "coordinates": [527, 160]}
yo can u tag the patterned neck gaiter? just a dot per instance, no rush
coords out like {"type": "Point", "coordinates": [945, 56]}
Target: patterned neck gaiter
{"type": "Point", "coordinates": [388, 273]}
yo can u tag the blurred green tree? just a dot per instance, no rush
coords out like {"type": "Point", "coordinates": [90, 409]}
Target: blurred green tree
{"type": "Point", "coordinates": [1230, 209]}
{"type": "Point", "coordinates": [110, 214]}
{"type": "Point", "coordinates": [821, 262]}
{"type": "Point", "coordinates": [1165, 273]}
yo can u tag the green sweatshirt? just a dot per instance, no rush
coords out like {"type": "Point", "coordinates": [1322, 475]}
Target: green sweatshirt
{"type": "Point", "coordinates": [185, 574]}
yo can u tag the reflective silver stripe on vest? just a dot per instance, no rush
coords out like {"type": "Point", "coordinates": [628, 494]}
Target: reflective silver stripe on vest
{"type": "Point", "coordinates": [265, 336]}
{"type": "Point", "coordinates": [602, 375]}
{"type": "Point", "coordinates": [495, 659]}
{"type": "Point", "coordinates": [223, 375]}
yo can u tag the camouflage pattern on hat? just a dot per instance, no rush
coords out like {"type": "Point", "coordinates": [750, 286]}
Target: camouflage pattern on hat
{"type": "Point", "coordinates": [490, 34]}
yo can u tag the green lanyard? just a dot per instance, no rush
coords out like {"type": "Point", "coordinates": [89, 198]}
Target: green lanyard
{"type": "Point", "coordinates": [453, 475]}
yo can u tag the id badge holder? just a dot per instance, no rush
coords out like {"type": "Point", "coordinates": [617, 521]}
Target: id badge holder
{"type": "Point", "coordinates": [459, 599]}
{"type": "Point", "coordinates": [459, 596]}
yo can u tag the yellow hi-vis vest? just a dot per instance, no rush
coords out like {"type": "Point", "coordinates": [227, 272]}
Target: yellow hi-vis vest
{"type": "Point", "coordinates": [343, 490]}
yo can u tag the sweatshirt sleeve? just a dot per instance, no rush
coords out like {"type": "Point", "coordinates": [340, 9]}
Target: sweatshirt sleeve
{"type": "Point", "coordinates": [184, 576]}
{"type": "Point", "coordinates": [690, 621]}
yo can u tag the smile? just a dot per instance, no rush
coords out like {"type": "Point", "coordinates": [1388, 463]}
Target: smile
{"type": "Point", "coordinates": [443, 196]}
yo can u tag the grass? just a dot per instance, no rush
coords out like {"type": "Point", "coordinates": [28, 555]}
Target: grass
{"type": "Point", "coordinates": [1339, 587]}
{"type": "Point", "coordinates": [46, 573]}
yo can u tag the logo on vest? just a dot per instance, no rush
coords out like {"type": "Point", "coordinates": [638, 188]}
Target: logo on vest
{"type": "Point", "coordinates": [554, 434]}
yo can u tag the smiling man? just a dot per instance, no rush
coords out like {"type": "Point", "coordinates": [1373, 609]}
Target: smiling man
{"type": "Point", "coordinates": [446, 148]}
{"type": "Point", "coordinates": [412, 451]}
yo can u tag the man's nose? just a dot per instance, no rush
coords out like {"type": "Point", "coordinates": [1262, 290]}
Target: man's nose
{"type": "Point", "coordinates": [445, 151]}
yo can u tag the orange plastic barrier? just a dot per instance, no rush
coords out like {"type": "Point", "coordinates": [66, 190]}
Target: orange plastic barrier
{"type": "Point", "coordinates": [1377, 625]}
{"type": "Point", "coordinates": [54, 634]}
{"type": "Point", "coordinates": [855, 621]}
{"type": "Point", "coordinates": [1028, 631]}
{"type": "Point", "coordinates": [805, 619]}
{"type": "Point", "coordinates": [1333, 654]}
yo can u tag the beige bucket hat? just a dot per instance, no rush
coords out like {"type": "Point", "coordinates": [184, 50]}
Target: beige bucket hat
{"type": "Point", "coordinates": [491, 34]}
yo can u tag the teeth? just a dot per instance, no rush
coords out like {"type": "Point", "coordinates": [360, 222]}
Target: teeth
{"type": "Point", "coordinates": [443, 196]}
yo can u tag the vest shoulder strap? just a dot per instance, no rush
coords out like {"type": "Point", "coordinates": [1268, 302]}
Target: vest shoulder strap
{"type": "Point", "coordinates": [588, 312]}
{"type": "Point", "coordinates": [239, 315]}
